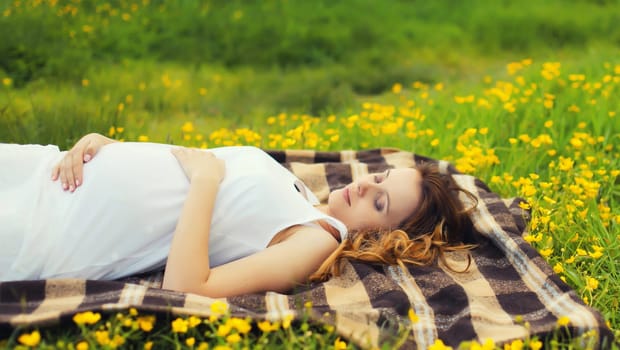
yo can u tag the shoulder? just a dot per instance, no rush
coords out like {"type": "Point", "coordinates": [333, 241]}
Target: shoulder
{"type": "Point", "coordinates": [303, 233]}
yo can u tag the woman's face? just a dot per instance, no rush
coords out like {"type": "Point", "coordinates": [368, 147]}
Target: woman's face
{"type": "Point", "coordinates": [379, 200]}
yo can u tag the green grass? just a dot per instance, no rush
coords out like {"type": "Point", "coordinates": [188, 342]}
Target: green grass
{"type": "Point", "coordinates": [430, 77]}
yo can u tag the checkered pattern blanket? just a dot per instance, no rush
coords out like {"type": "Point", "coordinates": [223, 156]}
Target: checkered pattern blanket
{"type": "Point", "coordinates": [507, 285]}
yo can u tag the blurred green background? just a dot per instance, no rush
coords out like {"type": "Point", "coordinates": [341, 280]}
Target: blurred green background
{"type": "Point", "coordinates": [250, 59]}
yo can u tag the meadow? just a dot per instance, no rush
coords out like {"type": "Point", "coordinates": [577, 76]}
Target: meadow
{"type": "Point", "coordinates": [524, 95]}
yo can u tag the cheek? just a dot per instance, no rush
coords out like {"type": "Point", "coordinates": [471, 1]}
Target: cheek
{"type": "Point", "coordinates": [334, 204]}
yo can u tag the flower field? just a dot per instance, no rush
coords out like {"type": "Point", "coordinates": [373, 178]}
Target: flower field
{"type": "Point", "coordinates": [547, 130]}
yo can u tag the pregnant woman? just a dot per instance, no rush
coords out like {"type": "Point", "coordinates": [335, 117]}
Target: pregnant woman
{"type": "Point", "coordinates": [223, 222]}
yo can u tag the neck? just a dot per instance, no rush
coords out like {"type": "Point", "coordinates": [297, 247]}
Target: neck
{"type": "Point", "coordinates": [323, 208]}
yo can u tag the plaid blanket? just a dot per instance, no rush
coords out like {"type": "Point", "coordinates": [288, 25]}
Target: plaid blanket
{"type": "Point", "coordinates": [507, 286]}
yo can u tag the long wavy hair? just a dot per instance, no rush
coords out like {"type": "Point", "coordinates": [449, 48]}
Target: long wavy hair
{"type": "Point", "coordinates": [438, 225]}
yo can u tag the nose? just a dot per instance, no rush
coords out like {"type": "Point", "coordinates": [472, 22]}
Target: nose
{"type": "Point", "coordinates": [364, 186]}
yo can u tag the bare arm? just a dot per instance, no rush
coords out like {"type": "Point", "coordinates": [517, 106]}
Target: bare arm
{"type": "Point", "coordinates": [278, 268]}
{"type": "Point", "coordinates": [70, 169]}
{"type": "Point", "coordinates": [188, 260]}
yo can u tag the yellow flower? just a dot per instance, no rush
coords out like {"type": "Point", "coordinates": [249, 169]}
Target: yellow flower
{"type": "Point", "coordinates": [596, 254]}
{"type": "Point", "coordinates": [546, 252]}
{"type": "Point", "coordinates": [102, 337]}
{"type": "Point", "coordinates": [525, 205]}
{"type": "Point", "coordinates": [219, 308]}
{"type": "Point", "coordinates": [7, 81]}
{"type": "Point", "coordinates": [413, 317]}
{"type": "Point", "coordinates": [241, 325]}
{"type": "Point", "coordinates": [233, 338]}
{"type": "Point", "coordinates": [30, 339]}
{"type": "Point", "coordinates": [536, 344]}
{"type": "Point", "coordinates": [224, 329]}
{"type": "Point", "coordinates": [117, 341]}
{"type": "Point", "coordinates": [591, 283]}
{"type": "Point", "coordinates": [146, 323]}
{"type": "Point", "coordinates": [489, 344]}
{"type": "Point", "coordinates": [190, 341]}
{"type": "Point", "coordinates": [266, 326]}
{"type": "Point", "coordinates": [222, 347]}
{"type": "Point", "coordinates": [557, 268]}
{"type": "Point", "coordinates": [87, 317]}
{"type": "Point", "coordinates": [286, 322]}
{"type": "Point", "coordinates": [339, 344]}
{"type": "Point", "coordinates": [439, 345]}
{"type": "Point", "coordinates": [148, 345]}
{"type": "Point", "coordinates": [563, 321]}
{"type": "Point", "coordinates": [566, 164]}
{"type": "Point", "coordinates": [516, 344]}
{"type": "Point", "coordinates": [193, 321]}
{"type": "Point", "coordinates": [397, 88]}
{"type": "Point", "coordinates": [81, 346]}
{"type": "Point", "coordinates": [187, 127]}
{"type": "Point", "coordinates": [179, 325]}
{"type": "Point", "coordinates": [525, 138]}
{"type": "Point", "coordinates": [143, 138]}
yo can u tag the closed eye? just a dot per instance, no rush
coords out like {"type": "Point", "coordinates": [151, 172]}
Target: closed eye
{"type": "Point", "coordinates": [379, 203]}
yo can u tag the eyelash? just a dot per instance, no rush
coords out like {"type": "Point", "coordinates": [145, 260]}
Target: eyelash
{"type": "Point", "coordinates": [379, 206]}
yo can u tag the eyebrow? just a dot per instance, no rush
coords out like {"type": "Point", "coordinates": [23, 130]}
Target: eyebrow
{"type": "Point", "coordinates": [387, 205]}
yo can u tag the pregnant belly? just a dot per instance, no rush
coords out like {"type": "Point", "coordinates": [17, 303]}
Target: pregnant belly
{"type": "Point", "coordinates": [125, 212]}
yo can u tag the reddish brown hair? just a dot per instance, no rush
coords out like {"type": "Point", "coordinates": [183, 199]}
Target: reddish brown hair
{"type": "Point", "coordinates": [439, 224]}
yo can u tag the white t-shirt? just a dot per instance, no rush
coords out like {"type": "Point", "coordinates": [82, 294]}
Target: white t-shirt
{"type": "Point", "coordinates": [121, 220]}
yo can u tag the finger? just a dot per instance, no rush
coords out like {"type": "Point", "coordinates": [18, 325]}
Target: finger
{"type": "Point", "coordinates": [55, 171]}
{"type": "Point", "coordinates": [68, 167]}
{"type": "Point", "coordinates": [77, 164]}
{"type": "Point", "coordinates": [63, 173]}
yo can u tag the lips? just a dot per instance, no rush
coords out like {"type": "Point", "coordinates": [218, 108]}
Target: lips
{"type": "Point", "coordinates": [346, 195]}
